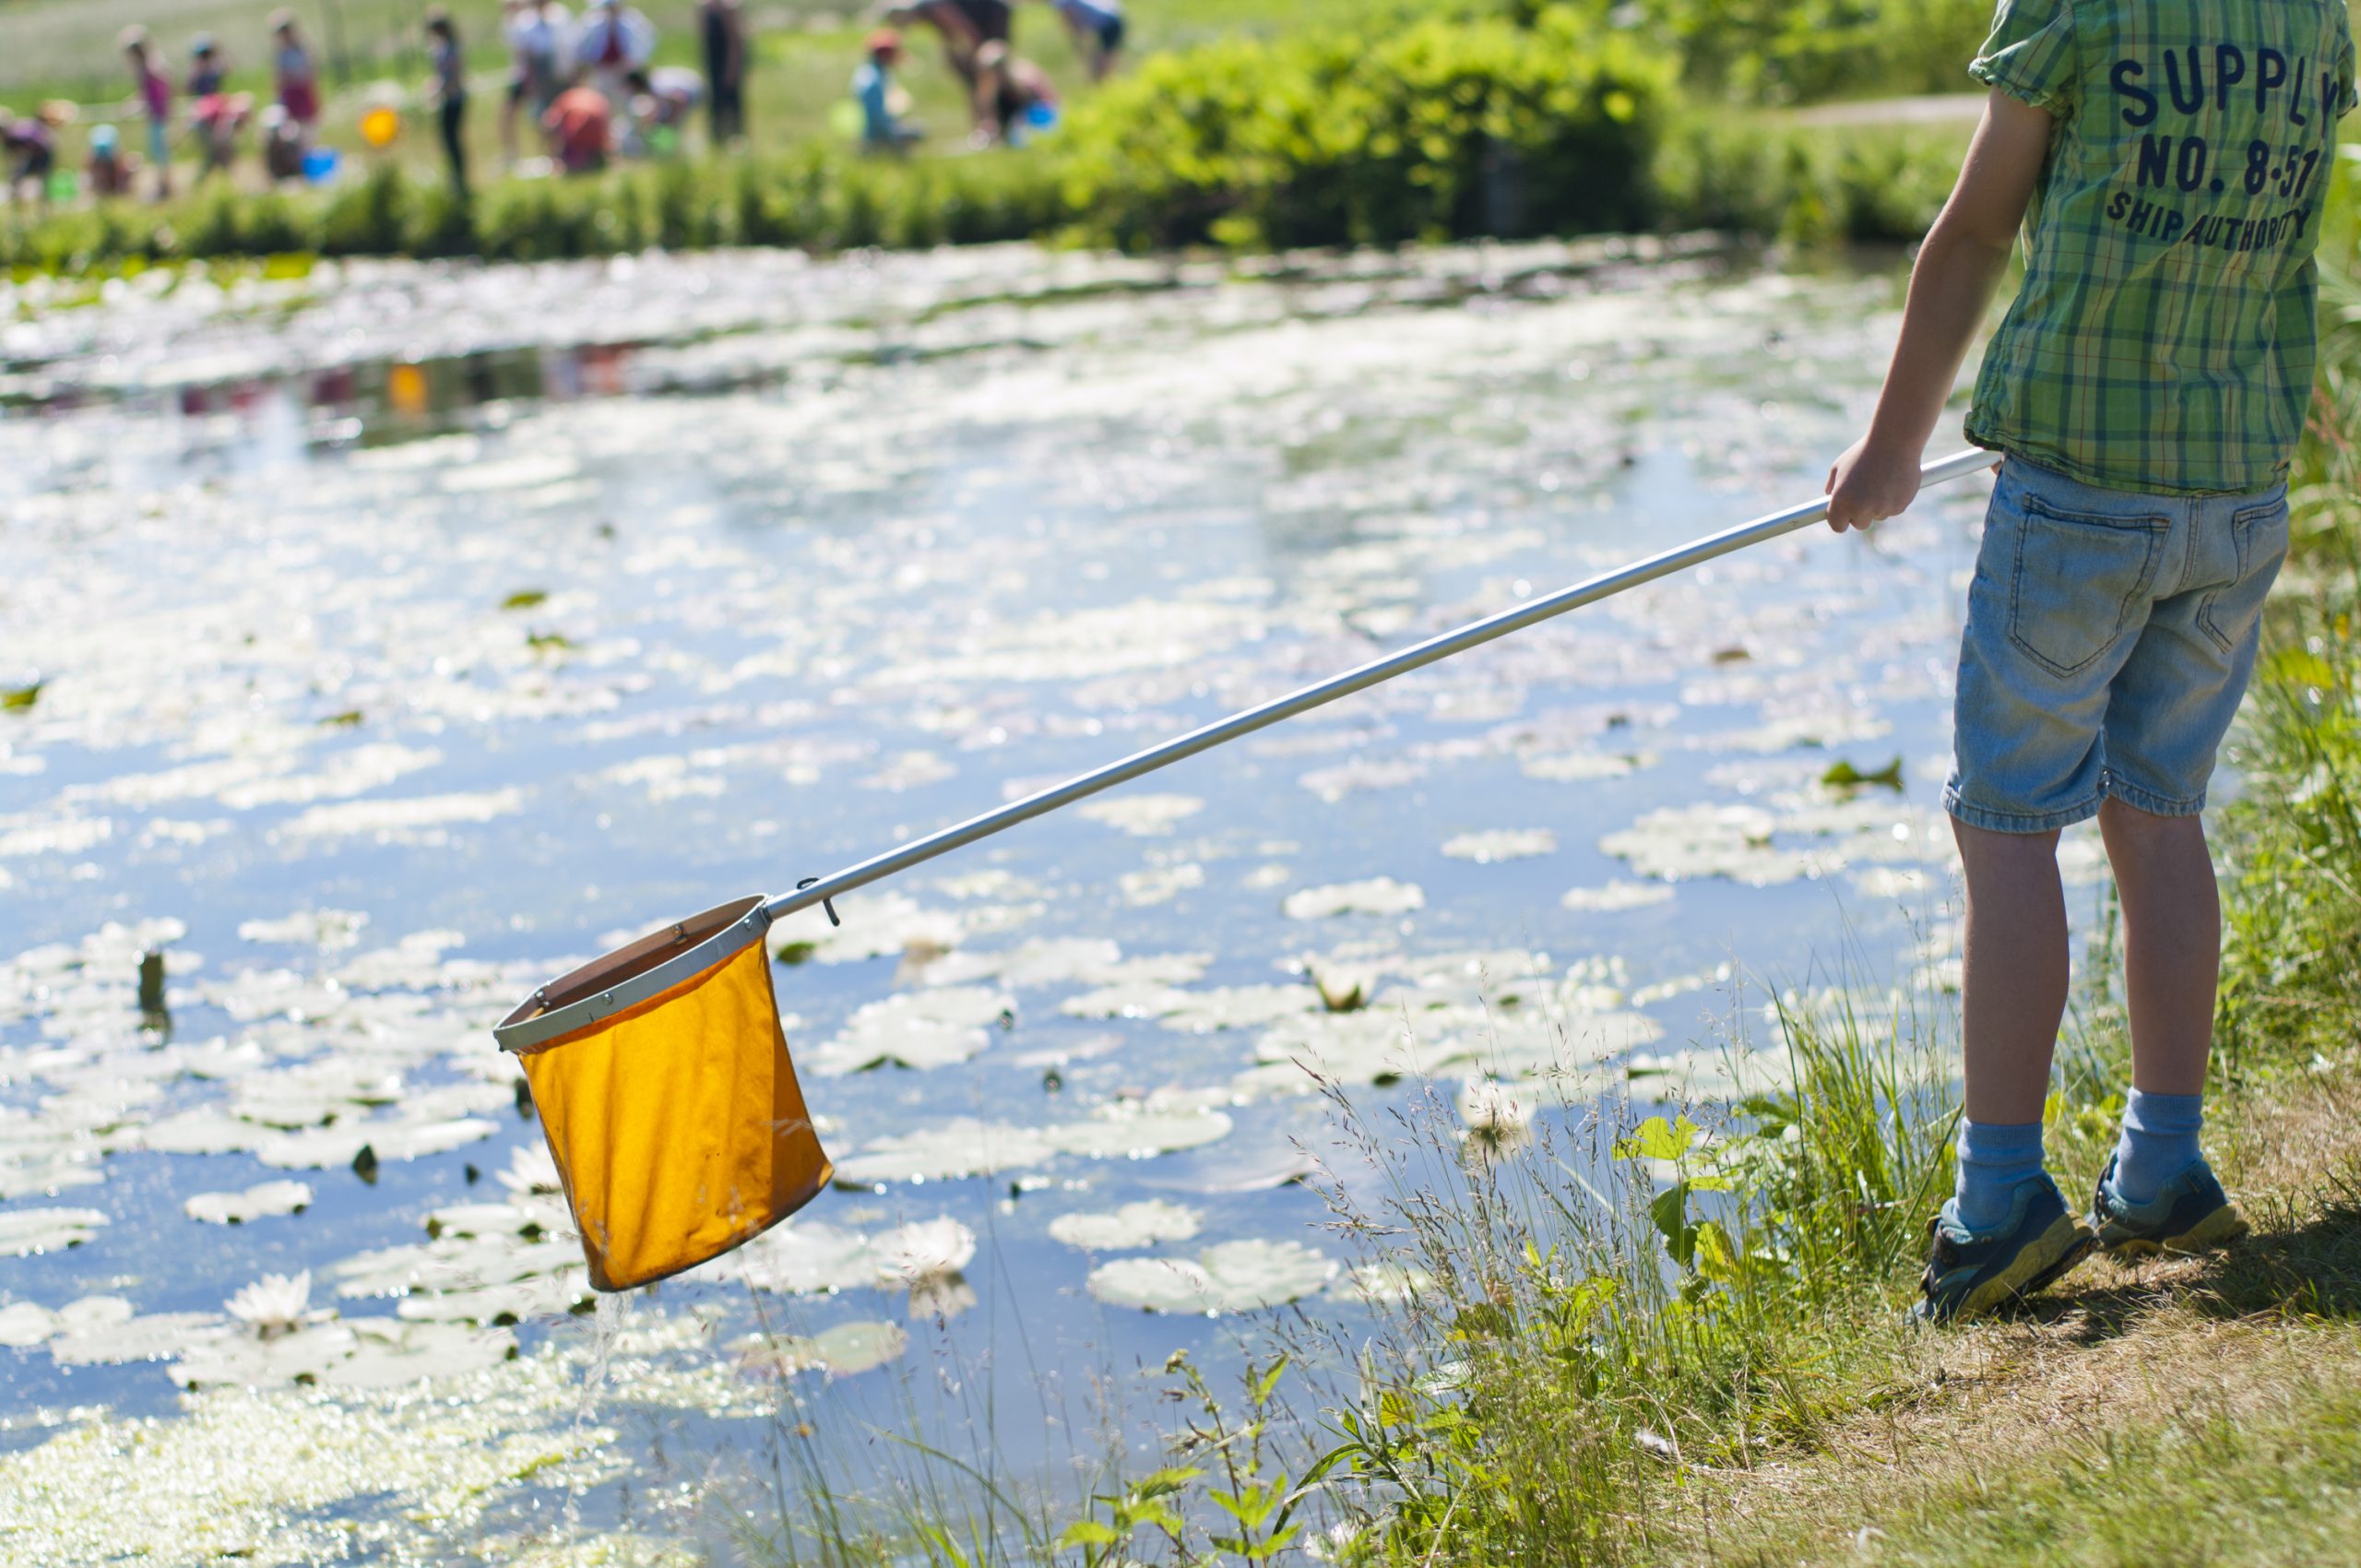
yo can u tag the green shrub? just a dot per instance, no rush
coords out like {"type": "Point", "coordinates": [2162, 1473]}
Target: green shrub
{"type": "Point", "coordinates": [1433, 131]}
{"type": "Point", "coordinates": [1782, 51]}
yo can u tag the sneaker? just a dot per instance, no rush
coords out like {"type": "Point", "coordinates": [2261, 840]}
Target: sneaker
{"type": "Point", "coordinates": [1968, 1275]}
{"type": "Point", "coordinates": [2192, 1214]}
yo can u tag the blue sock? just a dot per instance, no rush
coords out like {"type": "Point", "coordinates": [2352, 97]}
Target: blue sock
{"type": "Point", "coordinates": [1994, 1161]}
{"type": "Point", "coordinates": [2159, 1143]}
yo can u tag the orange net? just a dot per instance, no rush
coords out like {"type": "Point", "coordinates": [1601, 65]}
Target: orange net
{"type": "Point", "coordinates": [677, 1123]}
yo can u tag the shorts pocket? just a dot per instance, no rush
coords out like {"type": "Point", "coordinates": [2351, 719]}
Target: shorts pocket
{"type": "Point", "coordinates": [2078, 577]}
{"type": "Point", "coordinates": [2230, 612]}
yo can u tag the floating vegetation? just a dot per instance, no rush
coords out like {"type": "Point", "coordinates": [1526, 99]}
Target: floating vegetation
{"type": "Point", "coordinates": [1140, 1224]}
{"type": "Point", "coordinates": [1843, 775]}
{"type": "Point", "coordinates": [24, 1232]}
{"type": "Point", "coordinates": [1236, 1276]}
{"type": "Point", "coordinates": [1501, 844]}
{"type": "Point", "coordinates": [1376, 896]}
{"type": "Point", "coordinates": [253, 1203]}
{"type": "Point", "coordinates": [842, 1351]}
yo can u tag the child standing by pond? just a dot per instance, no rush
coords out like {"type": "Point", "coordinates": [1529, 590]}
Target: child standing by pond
{"type": "Point", "coordinates": [450, 62]}
{"type": "Point", "coordinates": [298, 78]}
{"type": "Point", "coordinates": [2146, 390]}
{"type": "Point", "coordinates": [155, 91]}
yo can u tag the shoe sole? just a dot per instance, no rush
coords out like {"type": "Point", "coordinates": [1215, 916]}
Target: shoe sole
{"type": "Point", "coordinates": [2042, 1263]}
{"type": "Point", "coordinates": [2219, 1228]}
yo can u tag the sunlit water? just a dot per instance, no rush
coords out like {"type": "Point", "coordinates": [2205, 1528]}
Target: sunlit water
{"type": "Point", "coordinates": [406, 635]}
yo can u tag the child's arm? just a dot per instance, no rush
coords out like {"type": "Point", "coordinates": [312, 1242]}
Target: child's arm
{"type": "Point", "coordinates": [1964, 254]}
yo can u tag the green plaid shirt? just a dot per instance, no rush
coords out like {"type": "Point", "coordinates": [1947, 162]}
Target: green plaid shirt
{"type": "Point", "coordinates": [2164, 337]}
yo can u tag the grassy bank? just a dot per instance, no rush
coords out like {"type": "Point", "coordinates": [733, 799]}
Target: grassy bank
{"type": "Point", "coordinates": [1447, 127]}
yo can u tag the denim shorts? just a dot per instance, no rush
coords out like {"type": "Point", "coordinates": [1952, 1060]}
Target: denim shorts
{"type": "Point", "coordinates": [2110, 635]}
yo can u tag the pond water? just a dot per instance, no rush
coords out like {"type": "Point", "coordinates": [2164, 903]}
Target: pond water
{"type": "Point", "coordinates": [396, 636]}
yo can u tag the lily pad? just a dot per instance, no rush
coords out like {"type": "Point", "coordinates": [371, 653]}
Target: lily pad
{"type": "Point", "coordinates": [804, 1258]}
{"type": "Point", "coordinates": [1236, 1276]}
{"type": "Point", "coordinates": [842, 1351]}
{"type": "Point", "coordinates": [154, 1337]}
{"type": "Point", "coordinates": [1501, 844]}
{"type": "Point", "coordinates": [1123, 1132]}
{"type": "Point", "coordinates": [1133, 1225]}
{"type": "Point", "coordinates": [236, 1209]}
{"type": "Point", "coordinates": [953, 1149]}
{"type": "Point", "coordinates": [1372, 895]}
{"type": "Point", "coordinates": [925, 1029]}
{"type": "Point", "coordinates": [1617, 895]}
{"type": "Point", "coordinates": [392, 1354]}
{"type": "Point", "coordinates": [24, 1232]}
{"type": "Point", "coordinates": [1143, 816]}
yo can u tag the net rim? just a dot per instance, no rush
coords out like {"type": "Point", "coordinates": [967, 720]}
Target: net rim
{"type": "Point", "coordinates": [742, 923]}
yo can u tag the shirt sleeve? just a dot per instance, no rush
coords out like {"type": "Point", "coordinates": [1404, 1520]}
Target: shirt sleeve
{"type": "Point", "coordinates": [2344, 75]}
{"type": "Point", "coordinates": [2031, 54]}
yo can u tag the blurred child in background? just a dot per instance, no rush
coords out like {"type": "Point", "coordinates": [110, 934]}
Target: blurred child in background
{"type": "Point", "coordinates": [1098, 30]}
{"type": "Point", "coordinates": [107, 170]}
{"type": "Point", "coordinates": [299, 79]}
{"type": "Point", "coordinates": [656, 106]}
{"type": "Point", "coordinates": [219, 119]}
{"type": "Point", "coordinates": [207, 69]}
{"type": "Point", "coordinates": [615, 41]}
{"type": "Point", "coordinates": [540, 41]}
{"type": "Point", "coordinates": [1014, 97]}
{"type": "Point", "coordinates": [581, 129]}
{"type": "Point", "coordinates": [724, 31]}
{"type": "Point", "coordinates": [883, 101]}
{"type": "Point", "coordinates": [155, 102]}
{"type": "Point", "coordinates": [32, 150]}
{"type": "Point", "coordinates": [450, 63]}
{"type": "Point", "coordinates": [282, 145]}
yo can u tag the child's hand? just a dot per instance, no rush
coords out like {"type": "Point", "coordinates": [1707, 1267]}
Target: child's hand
{"type": "Point", "coordinates": [1868, 484]}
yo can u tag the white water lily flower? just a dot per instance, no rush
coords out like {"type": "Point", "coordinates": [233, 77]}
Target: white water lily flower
{"type": "Point", "coordinates": [1492, 1109]}
{"type": "Point", "coordinates": [531, 1169]}
{"type": "Point", "coordinates": [932, 1249]}
{"type": "Point", "coordinates": [274, 1306]}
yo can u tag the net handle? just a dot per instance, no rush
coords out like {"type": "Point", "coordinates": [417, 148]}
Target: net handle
{"type": "Point", "coordinates": [1416, 656]}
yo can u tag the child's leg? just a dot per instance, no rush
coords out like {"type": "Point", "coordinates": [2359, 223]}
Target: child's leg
{"type": "Point", "coordinates": [2172, 949]}
{"type": "Point", "coordinates": [2014, 998]}
{"type": "Point", "coordinates": [2014, 988]}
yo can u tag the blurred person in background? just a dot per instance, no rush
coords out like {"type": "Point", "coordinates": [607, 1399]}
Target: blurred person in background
{"type": "Point", "coordinates": [1014, 97]}
{"type": "Point", "coordinates": [883, 105]}
{"type": "Point", "coordinates": [31, 149]}
{"type": "Point", "coordinates": [107, 170]}
{"type": "Point", "coordinates": [450, 64]}
{"type": "Point", "coordinates": [218, 120]}
{"type": "Point", "coordinates": [967, 29]}
{"type": "Point", "coordinates": [723, 29]}
{"type": "Point", "coordinates": [581, 129]}
{"type": "Point", "coordinates": [207, 69]}
{"type": "Point", "coordinates": [615, 41]}
{"type": "Point", "coordinates": [541, 43]}
{"type": "Point", "coordinates": [657, 107]}
{"type": "Point", "coordinates": [155, 102]}
{"type": "Point", "coordinates": [1098, 30]}
{"type": "Point", "coordinates": [298, 78]}
{"type": "Point", "coordinates": [282, 145]}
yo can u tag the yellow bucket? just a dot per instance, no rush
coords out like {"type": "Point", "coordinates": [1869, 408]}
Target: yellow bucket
{"type": "Point", "coordinates": [662, 1081]}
